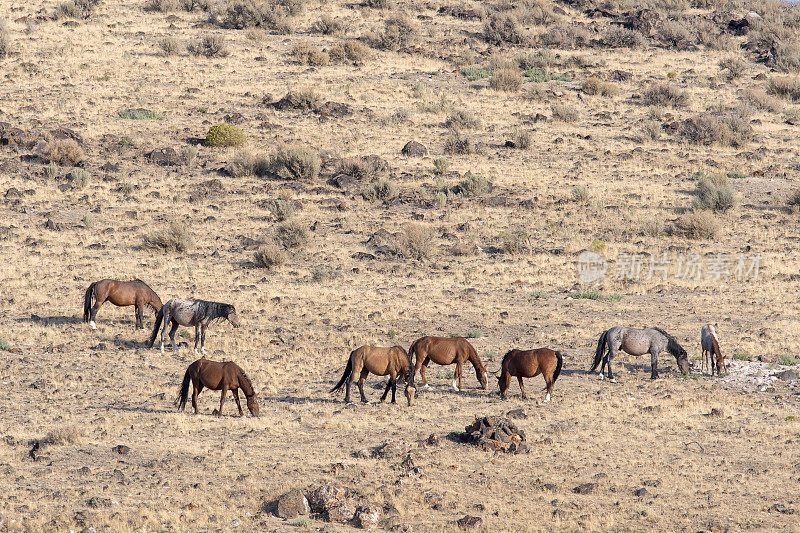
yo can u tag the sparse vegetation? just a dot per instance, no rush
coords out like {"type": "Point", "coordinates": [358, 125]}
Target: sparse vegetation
{"type": "Point", "coordinates": [349, 50]}
{"type": "Point", "coordinates": [310, 55]}
{"type": "Point", "coordinates": [475, 74]}
{"type": "Point", "coordinates": [417, 241]}
{"type": "Point", "coordinates": [363, 168]}
{"type": "Point", "coordinates": [594, 294]}
{"type": "Point", "coordinates": [619, 37]}
{"type": "Point", "coordinates": [169, 46]}
{"type": "Point", "coordinates": [174, 238]}
{"type": "Point", "coordinates": [64, 152]}
{"type": "Point", "coordinates": [714, 193]}
{"type": "Point", "coordinates": [473, 185]}
{"type": "Point", "coordinates": [564, 112]}
{"type": "Point", "coordinates": [281, 209]}
{"type": "Point", "coordinates": [787, 87]}
{"type": "Point", "coordinates": [504, 28]}
{"type": "Point", "coordinates": [140, 114]}
{"type": "Point", "coordinates": [440, 165]}
{"type": "Point", "coordinates": [506, 79]}
{"type": "Point", "coordinates": [5, 345]}
{"type": "Point", "coordinates": [665, 95]}
{"type": "Point", "coordinates": [398, 32]}
{"type": "Point", "coordinates": [269, 256]}
{"type": "Point", "coordinates": [726, 128]}
{"type": "Point", "coordinates": [473, 334]}
{"type": "Point", "coordinates": [327, 25]}
{"type": "Point", "coordinates": [788, 360]}
{"type": "Point", "coordinates": [290, 235]}
{"type": "Point", "coordinates": [209, 46]}
{"type": "Point", "coordinates": [462, 119]}
{"type": "Point", "coordinates": [384, 190]}
{"type": "Point", "coordinates": [66, 434]}
{"type": "Point", "coordinates": [76, 9]}
{"type": "Point", "coordinates": [458, 143]}
{"type": "Point", "coordinates": [295, 162]}
{"type": "Point", "coordinates": [595, 85]}
{"type": "Point", "coordinates": [540, 75]}
{"type": "Point", "coordinates": [5, 39]}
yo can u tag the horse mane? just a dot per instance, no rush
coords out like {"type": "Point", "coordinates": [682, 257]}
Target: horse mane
{"type": "Point", "coordinates": [137, 280]}
{"type": "Point", "coordinates": [243, 377]}
{"type": "Point", "coordinates": [212, 310]}
{"type": "Point", "coordinates": [715, 343]}
{"type": "Point", "coordinates": [672, 345]}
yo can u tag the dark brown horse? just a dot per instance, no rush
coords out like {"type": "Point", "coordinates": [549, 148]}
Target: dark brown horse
{"type": "Point", "coordinates": [224, 376]}
{"type": "Point", "coordinates": [446, 351]}
{"type": "Point", "coordinates": [367, 360]}
{"type": "Point", "coordinates": [120, 293]}
{"type": "Point", "coordinates": [528, 364]}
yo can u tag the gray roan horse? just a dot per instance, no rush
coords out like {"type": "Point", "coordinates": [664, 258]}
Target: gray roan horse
{"type": "Point", "coordinates": [638, 342]}
{"type": "Point", "coordinates": [197, 313]}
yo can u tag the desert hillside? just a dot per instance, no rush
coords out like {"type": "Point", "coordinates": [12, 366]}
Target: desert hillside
{"type": "Point", "coordinates": [524, 174]}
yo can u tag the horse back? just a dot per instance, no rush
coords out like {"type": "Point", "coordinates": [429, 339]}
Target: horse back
{"type": "Point", "coordinates": [529, 363]}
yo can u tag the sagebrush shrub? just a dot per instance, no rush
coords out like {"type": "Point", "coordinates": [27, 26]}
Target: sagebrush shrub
{"type": "Point", "coordinates": [363, 168]}
{"type": "Point", "coordinates": [506, 79]}
{"type": "Point", "coordinates": [269, 256]}
{"type": "Point", "coordinates": [697, 225]}
{"type": "Point", "coordinates": [458, 143]}
{"type": "Point", "coordinates": [175, 238]}
{"type": "Point", "coordinates": [665, 94]}
{"type": "Point", "coordinates": [224, 135]}
{"type": "Point", "coordinates": [504, 28]}
{"type": "Point", "coordinates": [714, 193]}
{"type": "Point", "coordinates": [64, 152]}
{"type": "Point", "coordinates": [564, 112]}
{"type": "Point", "coordinates": [295, 163]}
{"type": "Point", "coordinates": [462, 119]}
{"type": "Point", "coordinates": [619, 37]}
{"type": "Point", "coordinates": [5, 39]}
{"type": "Point", "coordinates": [290, 235]}
{"type": "Point", "coordinates": [209, 46]}
{"type": "Point", "coordinates": [349, 50]}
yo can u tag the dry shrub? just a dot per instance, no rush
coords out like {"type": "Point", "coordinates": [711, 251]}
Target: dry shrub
{"type": "Point", "coordinates": [522, 139]}
{"type": "Point", "coordinates": [76, 9]}
{"type": "Point", "coordinates": [785, 86]}
{"type": "Point", "coordinates": [310, 55]}
{"type": "Point", "coordinates": [161, 6]}
{"type": "Point", "coordinates": [651, 130]}
{"type": "Point", "coordinates": [715, 193]}
{"type": "Point", "coordinates": [534, 12]}
{"type": "Point", "coordinates": [506, 79]}
{"type": "Point", "coordinates": [274, 15]}
{"type": "Point", "coordinates": [565, 36]}
{"type": "Point", "coordinates": [350, 50]}
{"type": "Point", "coordinates": [282, 210]}
{"type": "Point", "coordinates": [295, 163]}
{"type": "Point", "coordinates": [675, 34]}
{"type": "Point", "coordinates": [59, 436]}
{"type": "Point", "coordinates": [378, 4]}
{"type": "Point", "coordinates": [775, 45]}
{"type": "Point", "coordinates": [543, 58]}
{"type": "Point", "coordinates": [381, 190]}
{"type": "Point", "coordinates": [269, 256]}
{"type": "Point", "coordinates": [761, 100]}
{"type": "Point", "coordinates": [726, 129]}
{"type": "Point", "coordinates": [793, 199]}
{"type": "Point", "coordinates": [399, 32]}
{"type": "Point", "coordinates": [665, 94]}
{"type": "Point", "coordinates": [473, 185]}
{"type": "Point", "coordinates": [595, 85]}
{"type": "Point", "coordinates": [290, 235]}
{"type": "Point", "coordinates": [462, 119]}
{"type": "Point", "coordinates": [563, 112]}
{"type": "Point", "coordinates": [175, 238]}
{"type": "Point", "coordinates": [304, 99]}
{"type": "Point", "coordinates": [697, 225]}
{"type": "Point", "coordinates": [247, 163]}
{"type": "Point", "coordinates": [209, 46]}
{"type": "Point", "coordinates": [417, 241]}
{"type": "Point", "coordinates": [619, 37]}
{"type": "Point", "coordinates": [5, 39]}
{"type": "Point", "coordinates": [734, 66]}
{"type": "Point", "coordinates": [64, 152]}
{"type": "Point", "coordinates": [458, 143]}
{"type": "Point", "coordinates": [363, 168]}
{"type": "Point", "coordinates": [504, 28]}
{"type": "Point", "coordinates": [327, 25]}
{"type": "Point", "coordinates": [169, 46]}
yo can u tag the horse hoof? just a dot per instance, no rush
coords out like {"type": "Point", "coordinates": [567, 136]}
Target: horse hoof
{"type": "Point", "coordinates": [92, 325]}
{"type": "Point", "coordinates": [602, 377]}
{"type": "Point", "coordinates": [613, 380]}
{"type": "Point", "coordinates": [426, 387]}
{"type": "Point", "coordinates": [547, 398]}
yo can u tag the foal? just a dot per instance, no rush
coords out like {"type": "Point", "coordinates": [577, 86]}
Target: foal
{"type": "Point", "coordinates": [528, 364]}
{"type": "Point", "coordinates": [368, 360]}
{"type": "Point", "coordinates": [224, 376]}
{"type": "Point", "coordinates": [711, 352]}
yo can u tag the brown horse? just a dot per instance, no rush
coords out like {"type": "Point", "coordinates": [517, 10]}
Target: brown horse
{"type": "Point", "coordinates": [528, 364]}
{"type": "Point", "coordinates": [214, 375]}
{"type": "Point", "coordinates": [711, 352]}
{"type": "Point", "coordinates": [368, 360]}
{"type": "Point", "coordinates": [446, 351]}
{"type": "Point", "coordinates": [119, 293]}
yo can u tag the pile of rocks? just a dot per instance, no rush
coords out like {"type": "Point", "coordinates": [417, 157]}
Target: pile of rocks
{"type": "Point", "coordinates": [497, 434]}
{"type": "Point", "coordinates": [331, 502]}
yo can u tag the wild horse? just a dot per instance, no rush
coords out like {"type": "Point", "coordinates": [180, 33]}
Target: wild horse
{"type": "Point", "coordinates": [638, 342]}
{"type": "Point", "coordinates": [119, 293]}
{"type": "Point", "coordinates": [224, 376]}
{"type": "Point", "coordinates": [197, 313]}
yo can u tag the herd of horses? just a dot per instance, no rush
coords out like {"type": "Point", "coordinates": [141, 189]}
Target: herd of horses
{"type": "Point", "coordinates": [394, 362]}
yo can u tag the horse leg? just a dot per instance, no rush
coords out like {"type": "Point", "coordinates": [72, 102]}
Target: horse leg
{"type": "Point", "coordinates": [364, 374]}
{"type": "Point", "coordinates": [172, 336]}
{"type": "Point", "coordinates": [196, 388]}
{"type": "Point", "coordinates": [610, 357]}
{"type": "Point", "coordinates": [457, 377]}
{"type": "Point", "coordinates": [196, 336]}
{"type": "Point", "coordinates": [653, 365]}
{"type": "Point", "coordinates": [521, 388]}
{"type": "Point", "coordinates": [236, 397]}
{"type": "Point", "coordinates": [347, 389]}
{"type": "Point", "coordinates": [422, 370]}
{"type": "Point", "coordinates": [95, 308]}
{"type": "Point", "coordinates": [394, 388]}
{"type": "Point", "coordinates": [703, 360]}
{"type": "Point", "coordinates": [386, 392]}
{"type": "Point", "coordinates": [203, 339]}
{"type": "Point", "coordinates": [548, 381]}
{"type": "Point", "coordinates": [222, 400]}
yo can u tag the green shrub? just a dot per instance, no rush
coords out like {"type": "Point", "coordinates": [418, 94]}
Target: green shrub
{"type": "Point", "coordinates": [473, 185]}
{"type": "Point", "coordinates": [139, 114]}
{"type": "Point", "coordinates": [382, 190]}
{"type": "Point", "coordinates": [473, 334]}
{"type": "Point", "coordinates": [594, 294]}
{"type": "Point", "coordinates": [458, 143]}
{"type": "Point", "coordinates": [224, 135]}
{"type": "Point", "coordinates": [440, 165]}
{"type": "Point", "coordinates": [462, 119]}
{"type": "Point", "coordinates": [580, 193]}
{"type": "Point", "coordinates": [788, 360]}
{"type": "Point", "coordinates": [281, 209]}
{"type": "Point", "coordinates": [540, 75]}
{"type": "Point", "coordinates": [475, 74]}
{"type": "Point", "coordinates": [5, 345]}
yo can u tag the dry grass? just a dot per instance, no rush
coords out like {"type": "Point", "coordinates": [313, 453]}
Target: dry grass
{"type": "Point", "coordinates": [596, 86]}
{"type": "Point", "coordinates": [563, 112]}
{"type": "Point", "coordinates": [665, 95]}
{"type": "Point", "coordinates": [697, 225]}
{"type": "Point", "coordinates": [174, 238]}
{"type": "Point", "coordinates": [506, 79]}
{"type": "Point", "coordinates": [295, 162]}
{"type": "Point", "coordinates": [64, 152]}
{"type": "Point", "coordinates": [269, 256]}
{"type": "Point", "coordinates": [64, 434]}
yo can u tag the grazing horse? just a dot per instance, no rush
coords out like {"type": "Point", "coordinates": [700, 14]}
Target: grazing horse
{"type": "Point", "coordinates": [214, 375]}
{"type": "Point", "coordinates": [197, 313]}
{"type": "Point", "coordinates": [711, 351]}
{"type": "Point", "coordinates": [638, 342]}
{"type": "Point", "coordinates": [119, 293]}
{"type": "Point", "coordinates": [528, 364]}
{"type": "Point", "coordinates": [393, 361]}
{"type": "Point", "coordinates": [446, 351]}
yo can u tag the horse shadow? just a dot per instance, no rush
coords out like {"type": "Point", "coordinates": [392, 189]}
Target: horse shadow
{"type": "Point", "coordinates": [50, 320]}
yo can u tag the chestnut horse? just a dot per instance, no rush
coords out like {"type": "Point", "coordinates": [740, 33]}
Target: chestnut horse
{"type": "Point", "coordinates": [368, 360]}
{"type": "Point", "coordinates": [446, 351]}
{"type": "Point", "coordinates": [119, 293]}
{"type": "Point", "coordinates": [214, 375]}
{"type": "Point", "coordinates": [528, 364]}
{"type": "Point", "coordinates": [711, 352]}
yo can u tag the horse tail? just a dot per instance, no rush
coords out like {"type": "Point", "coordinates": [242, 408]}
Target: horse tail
{"type": "Point", "coordinates": [156, 327]}
{"type": "Point", "coordinates": [559, 364]}
{"type": "Point", "coordinates": [180, 401]}
{"type": "Point", "coordinates": [348, 371]}
{"type": "Point", "coordinates": [598, 354]}
{"type": "Point", "coordinates": [87, 302]}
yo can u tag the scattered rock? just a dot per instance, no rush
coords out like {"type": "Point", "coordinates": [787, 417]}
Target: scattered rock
{"type": "Point", "coordinates": [787, 375]}
{"type": "Point", "coordinates": [121, 449]}
{"type": "Point", "coordinates": [98, 503]}
{"type": "Point", "coordinates": [51, 225]}
{"type": "Point", "coordinates": [387, 450]}
{"type": "Point", "coordinates": [367, 516]}
{"type": "Point", "coordinates": [164, 156]}
{"type": "Point", "coordinates": [334, 109]}
{"type": "Point", "coordinates": [497, 434]}
{"type": "Point", "coordinates": [585, 488]}
{"type": "Point", "coordinates": [341, 512]}
{"type": "Point", "coordinates": [293, 504]}
{"type": "Point", "coordinates": [325, 497]}
{"type": "Point", "coordinates": [34, 451]}
{"type": "Point", "coordinates": [342, 181]}
{"type": "Point", "coordinates": [780, 508]}
{"type": "Point", "coordinates": [469, 522]}
{"type": "Point", "coordinates": [517, 414]}
{"type": "Point", "coordinates": [414, 149]}
{"type": "Point", "coordinates": [432, 440]}
{"type": "Point", "coordinates": [640, 493]}
{"type": "Point", "coordinates": [13, 194]}
{"type": "Point", "coordinates": [716, 412]}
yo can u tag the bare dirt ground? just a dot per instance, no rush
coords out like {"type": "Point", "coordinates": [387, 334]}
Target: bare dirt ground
{"type": "Point", "coordinates": [501, 265]}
